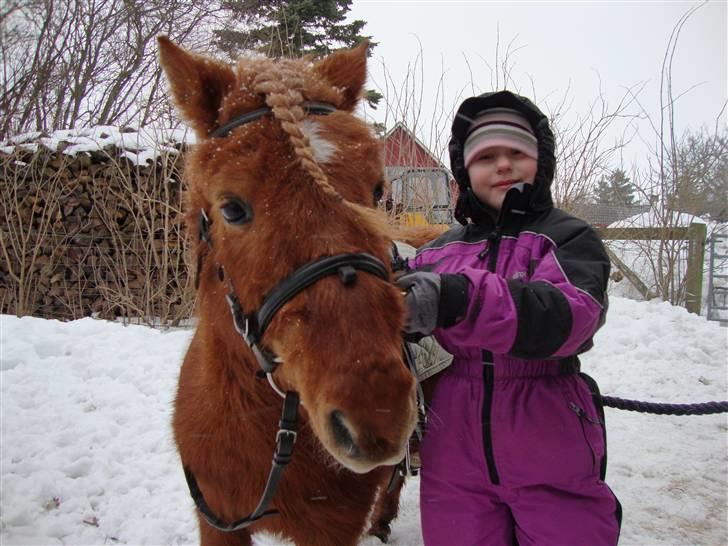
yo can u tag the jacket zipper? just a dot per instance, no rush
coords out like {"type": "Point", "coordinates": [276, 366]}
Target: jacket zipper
{"type": "Point", "coordinates": [488, 372]}
{"type": "Point", "coordinates": [486, 417]}
{"type": "Point", "coordinates": [493, 248]}
{"type": "Point", "coordinates": [491, 251]}
{"type": "Point", "coordinates": [582, 415]}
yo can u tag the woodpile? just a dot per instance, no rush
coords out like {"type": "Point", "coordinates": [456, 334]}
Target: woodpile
{"type": "Point", "coordinates": [92, 234]}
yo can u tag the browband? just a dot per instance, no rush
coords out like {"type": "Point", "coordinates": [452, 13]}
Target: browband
{"type": "Point", "coordinates": [310, 107]}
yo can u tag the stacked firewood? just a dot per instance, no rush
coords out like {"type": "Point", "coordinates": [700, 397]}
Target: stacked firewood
{"type": "Point", "coordinates": [92, 233]}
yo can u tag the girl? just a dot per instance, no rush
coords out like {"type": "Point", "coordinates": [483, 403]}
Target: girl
{"type": "Point", "coordinates": [515, 450]}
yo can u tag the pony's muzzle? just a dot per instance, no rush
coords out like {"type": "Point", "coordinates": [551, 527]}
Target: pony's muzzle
{"type": "Point", "coordinates": [361, 449]}
{"type": "Point", "coordinates": [342, 434]}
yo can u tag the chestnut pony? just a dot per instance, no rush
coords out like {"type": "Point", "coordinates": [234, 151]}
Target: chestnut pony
{"type": "Point", "coordinates": [283, 176]}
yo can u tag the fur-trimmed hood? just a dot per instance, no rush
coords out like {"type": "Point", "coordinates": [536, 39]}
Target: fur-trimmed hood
{"type": "Point", "coordinates": [468, 206]}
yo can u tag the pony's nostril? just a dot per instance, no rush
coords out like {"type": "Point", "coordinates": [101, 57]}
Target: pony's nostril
{"type": "Point", "coordinates": [342, 434]}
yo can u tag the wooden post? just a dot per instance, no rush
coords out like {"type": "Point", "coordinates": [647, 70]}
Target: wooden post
{"type": "Point", "coordinates": [697, 234]}
{"type": "Point", "coordinates": [631, 276]}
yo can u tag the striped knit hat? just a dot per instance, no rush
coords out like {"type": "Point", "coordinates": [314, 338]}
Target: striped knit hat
{"type": "Point", "coordinates": [499, 127]}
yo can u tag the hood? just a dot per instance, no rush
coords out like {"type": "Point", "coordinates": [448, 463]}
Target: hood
{"type": "Point", "coordinates": [468, 205]}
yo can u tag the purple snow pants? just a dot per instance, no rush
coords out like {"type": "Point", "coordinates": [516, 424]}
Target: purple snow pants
{"type": "Point", "coordinates": [524, 469]}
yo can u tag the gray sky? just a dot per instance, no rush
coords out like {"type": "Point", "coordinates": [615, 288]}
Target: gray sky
{"type": "Point", "coordinates": [555, 46]}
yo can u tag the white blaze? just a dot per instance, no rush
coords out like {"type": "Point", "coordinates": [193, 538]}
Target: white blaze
{"type": "Point", "coordinates": [323, 150]}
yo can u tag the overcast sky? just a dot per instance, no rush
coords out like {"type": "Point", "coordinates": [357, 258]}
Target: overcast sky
{"type": "Point", "coordinates": [555, 46]}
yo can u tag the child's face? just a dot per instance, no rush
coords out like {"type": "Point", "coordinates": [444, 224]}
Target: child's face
{"type": "Point", "coordinates": [496, 169]}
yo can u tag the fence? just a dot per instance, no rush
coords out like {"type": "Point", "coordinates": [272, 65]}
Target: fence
{"type": "Point", "coordinates": [687, 288]}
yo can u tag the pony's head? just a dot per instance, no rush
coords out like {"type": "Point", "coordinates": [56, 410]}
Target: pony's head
{"type": "Point", "coordinates": [281, 191]}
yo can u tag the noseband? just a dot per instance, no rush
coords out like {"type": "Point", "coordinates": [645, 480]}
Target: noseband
{"type": "Point", "coordinates": [251, 327]}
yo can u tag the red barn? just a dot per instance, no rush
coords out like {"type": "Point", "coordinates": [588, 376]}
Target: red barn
{"type": "Point", "coordinates": [420, 185]}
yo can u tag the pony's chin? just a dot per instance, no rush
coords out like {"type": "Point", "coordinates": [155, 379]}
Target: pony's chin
{"type": "Point", "coordinates": [361, 465]}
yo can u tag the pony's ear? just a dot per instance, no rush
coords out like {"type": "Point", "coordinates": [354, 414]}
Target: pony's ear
{"type": "Point", "coordinates": [198, 84]}
{"type": "Point", "coordinates": [347, 70]}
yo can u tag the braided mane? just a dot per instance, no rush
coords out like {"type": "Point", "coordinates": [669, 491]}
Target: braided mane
{"type": "Point", "coordinates": [282, 85]}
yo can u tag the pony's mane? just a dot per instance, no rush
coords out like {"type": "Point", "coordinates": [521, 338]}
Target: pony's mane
{"type": "Point", "coordinates": [280, 81]}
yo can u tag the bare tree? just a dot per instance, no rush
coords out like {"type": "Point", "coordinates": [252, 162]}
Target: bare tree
{"type": "Point", "coordinates": [665, 174]}
{"type": "Point", "coordinates": [702, 189]}
{"type": "Point", "coordinates": [91, 62]}
{"type": "Point", "coordinates": [419, 186]}
{"type": "Point", "coordinates": [584, 152]}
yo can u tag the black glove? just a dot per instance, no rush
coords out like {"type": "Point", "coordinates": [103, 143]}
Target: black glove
{"type": "Point", "coordinates": [433, 300]}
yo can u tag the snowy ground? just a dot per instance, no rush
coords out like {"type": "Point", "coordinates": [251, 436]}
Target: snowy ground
{"type": "Point", "coordinates": [87, 457]}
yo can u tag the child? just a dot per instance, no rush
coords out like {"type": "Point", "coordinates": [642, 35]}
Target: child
{"type": "Point", "coordinates": [515, 449]}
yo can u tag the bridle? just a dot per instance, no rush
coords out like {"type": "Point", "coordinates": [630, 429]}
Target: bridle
{"type": "Point", "coordinates": [309, 107]}
{"type": "Point", "coordinates": [251, 327]}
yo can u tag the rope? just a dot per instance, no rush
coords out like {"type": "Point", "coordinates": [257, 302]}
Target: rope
{"type": "Point", "coordinates": [706, 408]}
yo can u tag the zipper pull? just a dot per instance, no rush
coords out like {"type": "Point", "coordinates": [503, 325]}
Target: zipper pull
{"type": "Point", "coordinates": [581, 413]}
{"type": "Point", "coordinates": [483, 253]}
{"type": "Point", "coordinates": [489, 240]}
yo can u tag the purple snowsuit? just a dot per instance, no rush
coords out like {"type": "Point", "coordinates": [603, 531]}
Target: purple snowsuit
{"type": "Point", "coordinates": [515, 447]}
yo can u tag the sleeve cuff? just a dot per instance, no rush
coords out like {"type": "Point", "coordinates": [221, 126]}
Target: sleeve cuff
{"type": "Point", "coordinates": [453, 304]}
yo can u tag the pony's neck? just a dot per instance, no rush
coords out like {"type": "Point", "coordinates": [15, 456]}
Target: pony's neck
{"type": "Point", "coordinates": [233, 366]}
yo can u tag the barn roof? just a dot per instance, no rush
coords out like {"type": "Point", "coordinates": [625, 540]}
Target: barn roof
{"type": "Point", "coordinates": [403, 149]}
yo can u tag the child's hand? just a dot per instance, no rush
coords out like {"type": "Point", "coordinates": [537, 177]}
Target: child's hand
{"type": "Point", "coordinates": [422, 296]}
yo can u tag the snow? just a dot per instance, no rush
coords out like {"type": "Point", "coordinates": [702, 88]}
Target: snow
{"type": "Point", "coordinates": [87, 455]}
{"type": "Point", "coordinates": [656, 217]}
{"type": "Point", "coordinates": [140, 146]}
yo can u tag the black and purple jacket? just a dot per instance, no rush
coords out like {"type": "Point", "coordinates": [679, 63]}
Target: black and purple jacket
{"type": "Point", "coordinates": [528, 283]}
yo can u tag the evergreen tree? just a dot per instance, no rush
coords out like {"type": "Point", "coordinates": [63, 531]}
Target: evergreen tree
{"type": "Point", "coordinates": [294, 28]}
{"type": "Point", "coordinates": [615, 189]}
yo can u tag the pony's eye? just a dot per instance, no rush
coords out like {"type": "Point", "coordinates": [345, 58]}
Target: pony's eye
{"type": "Point", "coordinates": [378, 193]}
{"type": "Point", "coordinates": [236, 212]}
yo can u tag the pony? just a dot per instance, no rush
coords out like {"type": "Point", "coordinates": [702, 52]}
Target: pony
{"type": "Point", "coordinates": [294, 286]}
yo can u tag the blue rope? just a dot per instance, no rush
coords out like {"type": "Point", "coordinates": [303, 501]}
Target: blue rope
{"type": "Point", "coordinates": [705, 408]}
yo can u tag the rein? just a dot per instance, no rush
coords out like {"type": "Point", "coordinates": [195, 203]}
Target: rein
{"type": "Point", "coordinates": [285, 439]}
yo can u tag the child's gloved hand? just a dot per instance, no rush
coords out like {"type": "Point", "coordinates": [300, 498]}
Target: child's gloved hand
{"type": "Point", "coordinates": [433, 300]}
{"type": "Point", "coordinates": [422, 297]}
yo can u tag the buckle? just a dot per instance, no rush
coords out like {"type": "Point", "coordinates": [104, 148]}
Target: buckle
{"type": "Point", "coordinates": [240, 321]}
{"type": "Point", "coordinates": [287, 432]}
{"type": "Point", "coordinates": [203, 226]}
{"type": "Point", "coordinates": [284, 446]}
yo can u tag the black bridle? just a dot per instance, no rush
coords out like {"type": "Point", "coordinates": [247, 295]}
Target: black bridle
{"type": "Point", "coordinates": [251, 327]}
{"type": "Point", "coordinates": [309, 107]}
